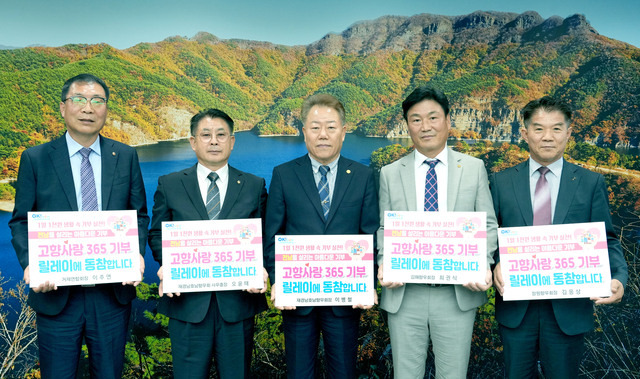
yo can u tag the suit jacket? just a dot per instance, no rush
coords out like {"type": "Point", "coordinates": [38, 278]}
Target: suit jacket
{"type": "Point", "coordinates": [582, 197]}
{"type": "Point", "coordinates": [398, 193]}
{"type": "Point", "coordinates": [178, 198]}
{"type": "Point", "coordinates": [294, 208]}
{"type": "Point", "coordinates": [45, 183]}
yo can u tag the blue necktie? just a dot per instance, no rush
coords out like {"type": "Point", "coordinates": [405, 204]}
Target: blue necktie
{"type": "Point", "coordinates": [213, 197]}
{"type": "Point", "coordinates": [431, 187]}
{"type": "Point", "coordinates": [87, 182]}
{"type": "Point", "coordinates": [323, 190]}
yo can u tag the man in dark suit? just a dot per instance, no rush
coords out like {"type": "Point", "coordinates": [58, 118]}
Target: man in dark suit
{"type": "Point", "coordinates": [548, 190]}
{"type": "Point", "coordinates": [294, 207]}
{"type": "Point", "coordinates": [50, 179]}
{"type": "Point", "coordinates": [219, 323]}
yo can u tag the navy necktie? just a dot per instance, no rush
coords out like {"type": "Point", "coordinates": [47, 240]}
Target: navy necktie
{"type": "Point", "coordinates": [323, 190]}
{"type": "Point", "coordinates": [431, 187]}
{"type": "Point", "coordinates": [87, 182]}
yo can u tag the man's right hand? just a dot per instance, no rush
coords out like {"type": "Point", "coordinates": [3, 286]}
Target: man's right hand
{"type": "Point", "coordinates": [170, 294]}
{"type": "Point", "coordinates": [44, 287]}
{"type": "Point", "coordinates": [387, 284]}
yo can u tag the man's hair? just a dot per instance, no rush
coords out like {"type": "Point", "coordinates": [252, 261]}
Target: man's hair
{"type": "Point", "coordinates": [547, 104]}
{"type": "Point", "coordinates": [425, 93]}
{"type": "Point", "coordinates": [323, 100]}
{"type": "Point", "coordinates": [83, 78]}
{"type": "Point", "coordinates": [211, 113]}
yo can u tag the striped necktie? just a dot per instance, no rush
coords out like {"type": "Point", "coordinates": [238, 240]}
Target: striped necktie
{"type": "Point", "coordinates": [213, 197]}
{"type": "Point", "coordinates": [323, 190]}
{"type": "Point", "coordinates": [87, 182]}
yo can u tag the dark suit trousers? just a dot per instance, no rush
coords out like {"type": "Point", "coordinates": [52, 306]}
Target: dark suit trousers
{"type": "Point", "coordinates": [92, 313]}
{"type": "Point", "coordinates": [339, 335]}
{"type": "Point", "coordinates": [539, 337]}
{"type": "Point", "coordinates": [194, 344]}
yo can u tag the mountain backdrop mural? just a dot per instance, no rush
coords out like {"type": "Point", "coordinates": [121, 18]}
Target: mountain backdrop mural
{"type": "Point", "coordinates": [489, 63]}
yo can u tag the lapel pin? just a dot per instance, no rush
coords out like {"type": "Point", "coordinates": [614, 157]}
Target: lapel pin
{"type": "Point", "coordinates": [459, 166]}
{"type": "Point", "coordinates": [348, 171]}
{"type": "Point", "coordinates": [113, 153]}
{"type": "Point", "coordinates": [238, 182]}
{"type": "Point", "coordinates": [574, 178]}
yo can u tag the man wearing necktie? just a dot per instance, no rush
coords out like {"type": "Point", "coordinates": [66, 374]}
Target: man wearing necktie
{"type": "Point", "coordinates": [433, 178]}
{"type": "Point", "coordinates": [80, 171]}
{"type": "Point", "coordinates": [546, 190]}
{"type": "Point", "coordinates": [320, 193]}
{"type": "Point", "coordinates": [218, 324]}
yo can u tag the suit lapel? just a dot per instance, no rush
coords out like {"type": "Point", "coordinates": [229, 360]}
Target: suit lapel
{"type": "Point", "coordinates": [569, 183]}
{"type": "Point", "coordinates": [109, 158]}
{"type": "Point", "coordinates": [521, 186]}
{"type": "Point", "coordinates": [304, 172]}
{"type": "Point", "coordinates": [59, 154]}
{"type": "Point", "coordinates": [454, 172]}
{"type": "Point", "coordinates": [234, 186]}
{"type": "Point", "coordinates": [408, 179]}
{"type": "Point", "coordinates": [343, 179]}
{"type": "Point", "coordinates": [192, 188]}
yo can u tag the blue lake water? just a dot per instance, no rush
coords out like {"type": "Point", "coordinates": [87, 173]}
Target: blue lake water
{"type": "Point", "coordinates": [257, 155]}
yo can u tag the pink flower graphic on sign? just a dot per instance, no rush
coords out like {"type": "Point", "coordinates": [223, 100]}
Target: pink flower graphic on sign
{"type": "Point", "coordinates": [356, 249]}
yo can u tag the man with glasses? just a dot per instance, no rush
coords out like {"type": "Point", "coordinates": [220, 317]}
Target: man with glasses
{"type": "Point", "coordinates": [320, 193]}
{"type": "Point", "coordinates": [80, 171]}
{"type": "Point", "coordinates": [211, 324]}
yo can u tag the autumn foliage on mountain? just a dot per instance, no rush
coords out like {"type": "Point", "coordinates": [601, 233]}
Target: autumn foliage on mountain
{"type": "Point", "coordinates": [489, 63]}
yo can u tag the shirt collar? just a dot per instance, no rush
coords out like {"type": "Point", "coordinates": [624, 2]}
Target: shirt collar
{"type": "Point", "coordinates": [333, 166]}
{"type": "Point", "coordinates": [203, 172]}
{"type": "Point", "coordinates": [555, 167]}
{"type": "Point", "coordinates": [443, 157]}
{"type": "Point", "coordinates": [74, 147]}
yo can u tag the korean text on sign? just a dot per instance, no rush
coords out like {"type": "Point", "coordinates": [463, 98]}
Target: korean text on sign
{"type": "Point", "coordinates": [72, 248]}
{"type": "Point", "coordinates": [435, 247]}
{"type": "Point", "coordinates": [212, 255]}
{"type": "Point", "coordinates": [324, 270]}
{"type": "Point", "coordinates": [554, 261]}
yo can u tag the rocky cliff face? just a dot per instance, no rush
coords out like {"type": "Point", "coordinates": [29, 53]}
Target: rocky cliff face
{"type": "Point", "coordinates": [430, 32]}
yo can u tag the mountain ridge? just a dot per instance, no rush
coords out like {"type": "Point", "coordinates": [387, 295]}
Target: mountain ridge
{"type": "Point", "coordinates": [489, 63]}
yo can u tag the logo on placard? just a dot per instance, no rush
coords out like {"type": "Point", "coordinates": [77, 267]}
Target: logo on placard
{"type": "Point", "coordinates": [120, 224]}
{"type": "Point", "coordinates": [587, 238]}
{"type": "Point", "coordinates": [468, 226]}
{"type": "Point", "coordinates": [245, 233]}
{"type": "Point", "coordinates": [356, 249]}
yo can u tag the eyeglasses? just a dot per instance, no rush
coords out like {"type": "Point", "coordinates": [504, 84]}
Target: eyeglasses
{"type": "Point", "coordinates": [81, 101]}
{"type": "Point", "coordinates": [220, 137]}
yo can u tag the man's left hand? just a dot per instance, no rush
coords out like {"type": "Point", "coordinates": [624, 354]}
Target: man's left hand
{"type": "Point", "coordinates": [135, 284]}
{"type": "Point", "coordinates": [617, 291]}
{"type": "Point", "coordinates": [375, 302]}
{"type": "Point", "coordinates": [265, 278]}
{"type": "Point", "coordinates": [481, 287]}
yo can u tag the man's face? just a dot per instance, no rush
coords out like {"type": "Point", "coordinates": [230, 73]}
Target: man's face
{"type": "Point", "coordinates": [428, 127]}
{"type": "Point", "coordinates": [323, 134]}
{"type": "Point", "coordinates": [84, 122]}
{"type": "Point", "coordinates": [547, 136]}
{"type": "Point", "coordinates": [213, 143]}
